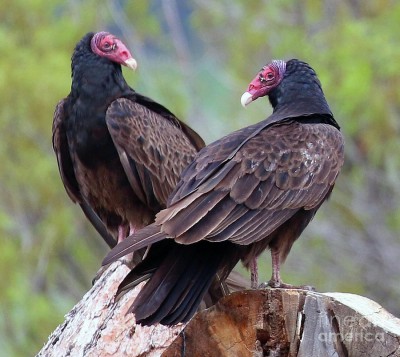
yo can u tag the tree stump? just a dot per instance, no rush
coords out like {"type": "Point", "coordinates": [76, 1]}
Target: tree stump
{"type": "Point", "coordinates": [271, 322]}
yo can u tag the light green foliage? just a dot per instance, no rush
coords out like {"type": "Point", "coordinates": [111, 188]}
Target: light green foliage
{"type": "Point", "coordinates": [198, 63]}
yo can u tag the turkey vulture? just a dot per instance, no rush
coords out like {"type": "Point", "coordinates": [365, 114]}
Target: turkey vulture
{"type": "Point", "coordinates": [256, 188]}
{"type": "Point", "coordinates": [119, 153]}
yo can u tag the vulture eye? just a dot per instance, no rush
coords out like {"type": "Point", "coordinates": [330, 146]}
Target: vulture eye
{"type": "Point", "coordinates": [107, 46]}
{"type": "Point", "coordinates": [270, 76]}
{"type": "Point", "coordinates": [267, 78]}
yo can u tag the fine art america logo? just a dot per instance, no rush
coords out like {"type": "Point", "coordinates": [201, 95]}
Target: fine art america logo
{"type": "Point", "coordinates": [350, 329]}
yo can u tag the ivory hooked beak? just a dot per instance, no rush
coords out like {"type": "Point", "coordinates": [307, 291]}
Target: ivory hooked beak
{"type": "Point", "coordinates": [131, 63]}
{"type": "Point", "coordinates": [246, 99]}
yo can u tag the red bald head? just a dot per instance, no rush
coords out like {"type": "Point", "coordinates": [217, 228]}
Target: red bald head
{"type": "Point", "coordinates": [266, 80]}
{"type": "Point", "coordinates": [107, 45]}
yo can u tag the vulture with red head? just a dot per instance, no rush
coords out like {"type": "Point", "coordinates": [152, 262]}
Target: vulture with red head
{"type": "Point", "coordinates": [119, 153]}
{"type": "Point", "coordinates": [254, 189]}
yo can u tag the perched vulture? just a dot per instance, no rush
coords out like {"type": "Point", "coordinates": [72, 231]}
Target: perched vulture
{"type": "Point", "coordinates": [256, 188]}
{"type": "Point", "coordinates": [119, 153]}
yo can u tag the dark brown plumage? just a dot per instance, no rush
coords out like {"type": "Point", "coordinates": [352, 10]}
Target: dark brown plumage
{"type": "Point", "coordinates": [119, 153]}
{"type": "Point", "coordinates": [256, 188]}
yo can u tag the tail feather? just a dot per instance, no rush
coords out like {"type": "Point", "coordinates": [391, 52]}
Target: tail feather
{"type": "Point", "coordinates": [188, 307]}
{"type": "Point", "coordinates": [183, 300]}
{"type": "Point", "coordinates": [188, 285]}
{"type": "Point", "coordinates": [165, 311]}
{"type": "Point", "coordinates": [144, 269]}
{"type": "Point", "coordinates": [177, 287]}
{"type": "Point", "coordinates": [157, 289]}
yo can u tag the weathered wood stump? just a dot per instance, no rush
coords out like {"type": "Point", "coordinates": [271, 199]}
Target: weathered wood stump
{"type": "Point", "coordinates": [271, 322]}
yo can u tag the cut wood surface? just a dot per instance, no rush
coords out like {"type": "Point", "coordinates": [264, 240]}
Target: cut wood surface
{"type": "Point", "coordinates": [271, 322]}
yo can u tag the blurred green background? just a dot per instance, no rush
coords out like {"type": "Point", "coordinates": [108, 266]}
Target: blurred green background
{"type": "Point", "coordinates": [196, 57]}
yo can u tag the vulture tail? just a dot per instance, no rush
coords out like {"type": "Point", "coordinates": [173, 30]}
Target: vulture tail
{"type": "Point", "coordinates": [177, 287]}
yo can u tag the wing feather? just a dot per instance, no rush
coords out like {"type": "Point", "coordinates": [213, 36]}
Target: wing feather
{"type": "Point", "coordinates": [185, 219]}
{"type": "Point", "coordinates": [61, 149]}
{"type": "Point", "coordinates": [143, 238]}
{"type": "Point", "coordinates": [153, 150]}
{"type": "Point", "coordinates": [209, 223]}
{"type": "Point", "coordinates": [276, 173]}
{"type": "Point", "coordinates": [67, 172]}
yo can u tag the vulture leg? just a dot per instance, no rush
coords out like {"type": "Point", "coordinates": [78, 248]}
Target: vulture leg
{"type": "Point", "coordinates": [131, 259]}
{"type": "Point", "coordinates": [276, 281]}
{"type": "Point", "coordinates": [122, 233]}
{"type": "Point", "coordinates": [254, 273]}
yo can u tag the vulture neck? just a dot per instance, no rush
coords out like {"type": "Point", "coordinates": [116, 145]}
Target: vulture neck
{"type": "Point", "coordinates": [99, 80]}
{"type": "Point", "coordinates": [300, 95]}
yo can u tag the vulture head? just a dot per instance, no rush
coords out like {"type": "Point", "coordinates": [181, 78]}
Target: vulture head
{"type": "Point", "coordinates": [108, 46]}
{"type": "Point", "coordinates": [266, 80]}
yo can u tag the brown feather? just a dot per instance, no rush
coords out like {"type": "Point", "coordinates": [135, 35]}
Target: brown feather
{"type": "Point", "coordinates": [158, 149]}
{"type": "Point", "coordinates": [209, 223]}
{"type": "Point", "coordinates": [64, 161]}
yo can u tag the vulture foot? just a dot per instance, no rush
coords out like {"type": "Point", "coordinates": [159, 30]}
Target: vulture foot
{"type": "Point", "coordinates": [279, 284]}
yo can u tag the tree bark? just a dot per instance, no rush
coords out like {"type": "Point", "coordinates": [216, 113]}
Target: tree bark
{"type": "Point", "coordinates": [271, 322]}
{"type": "Point", "coordinates": [97, 326]}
